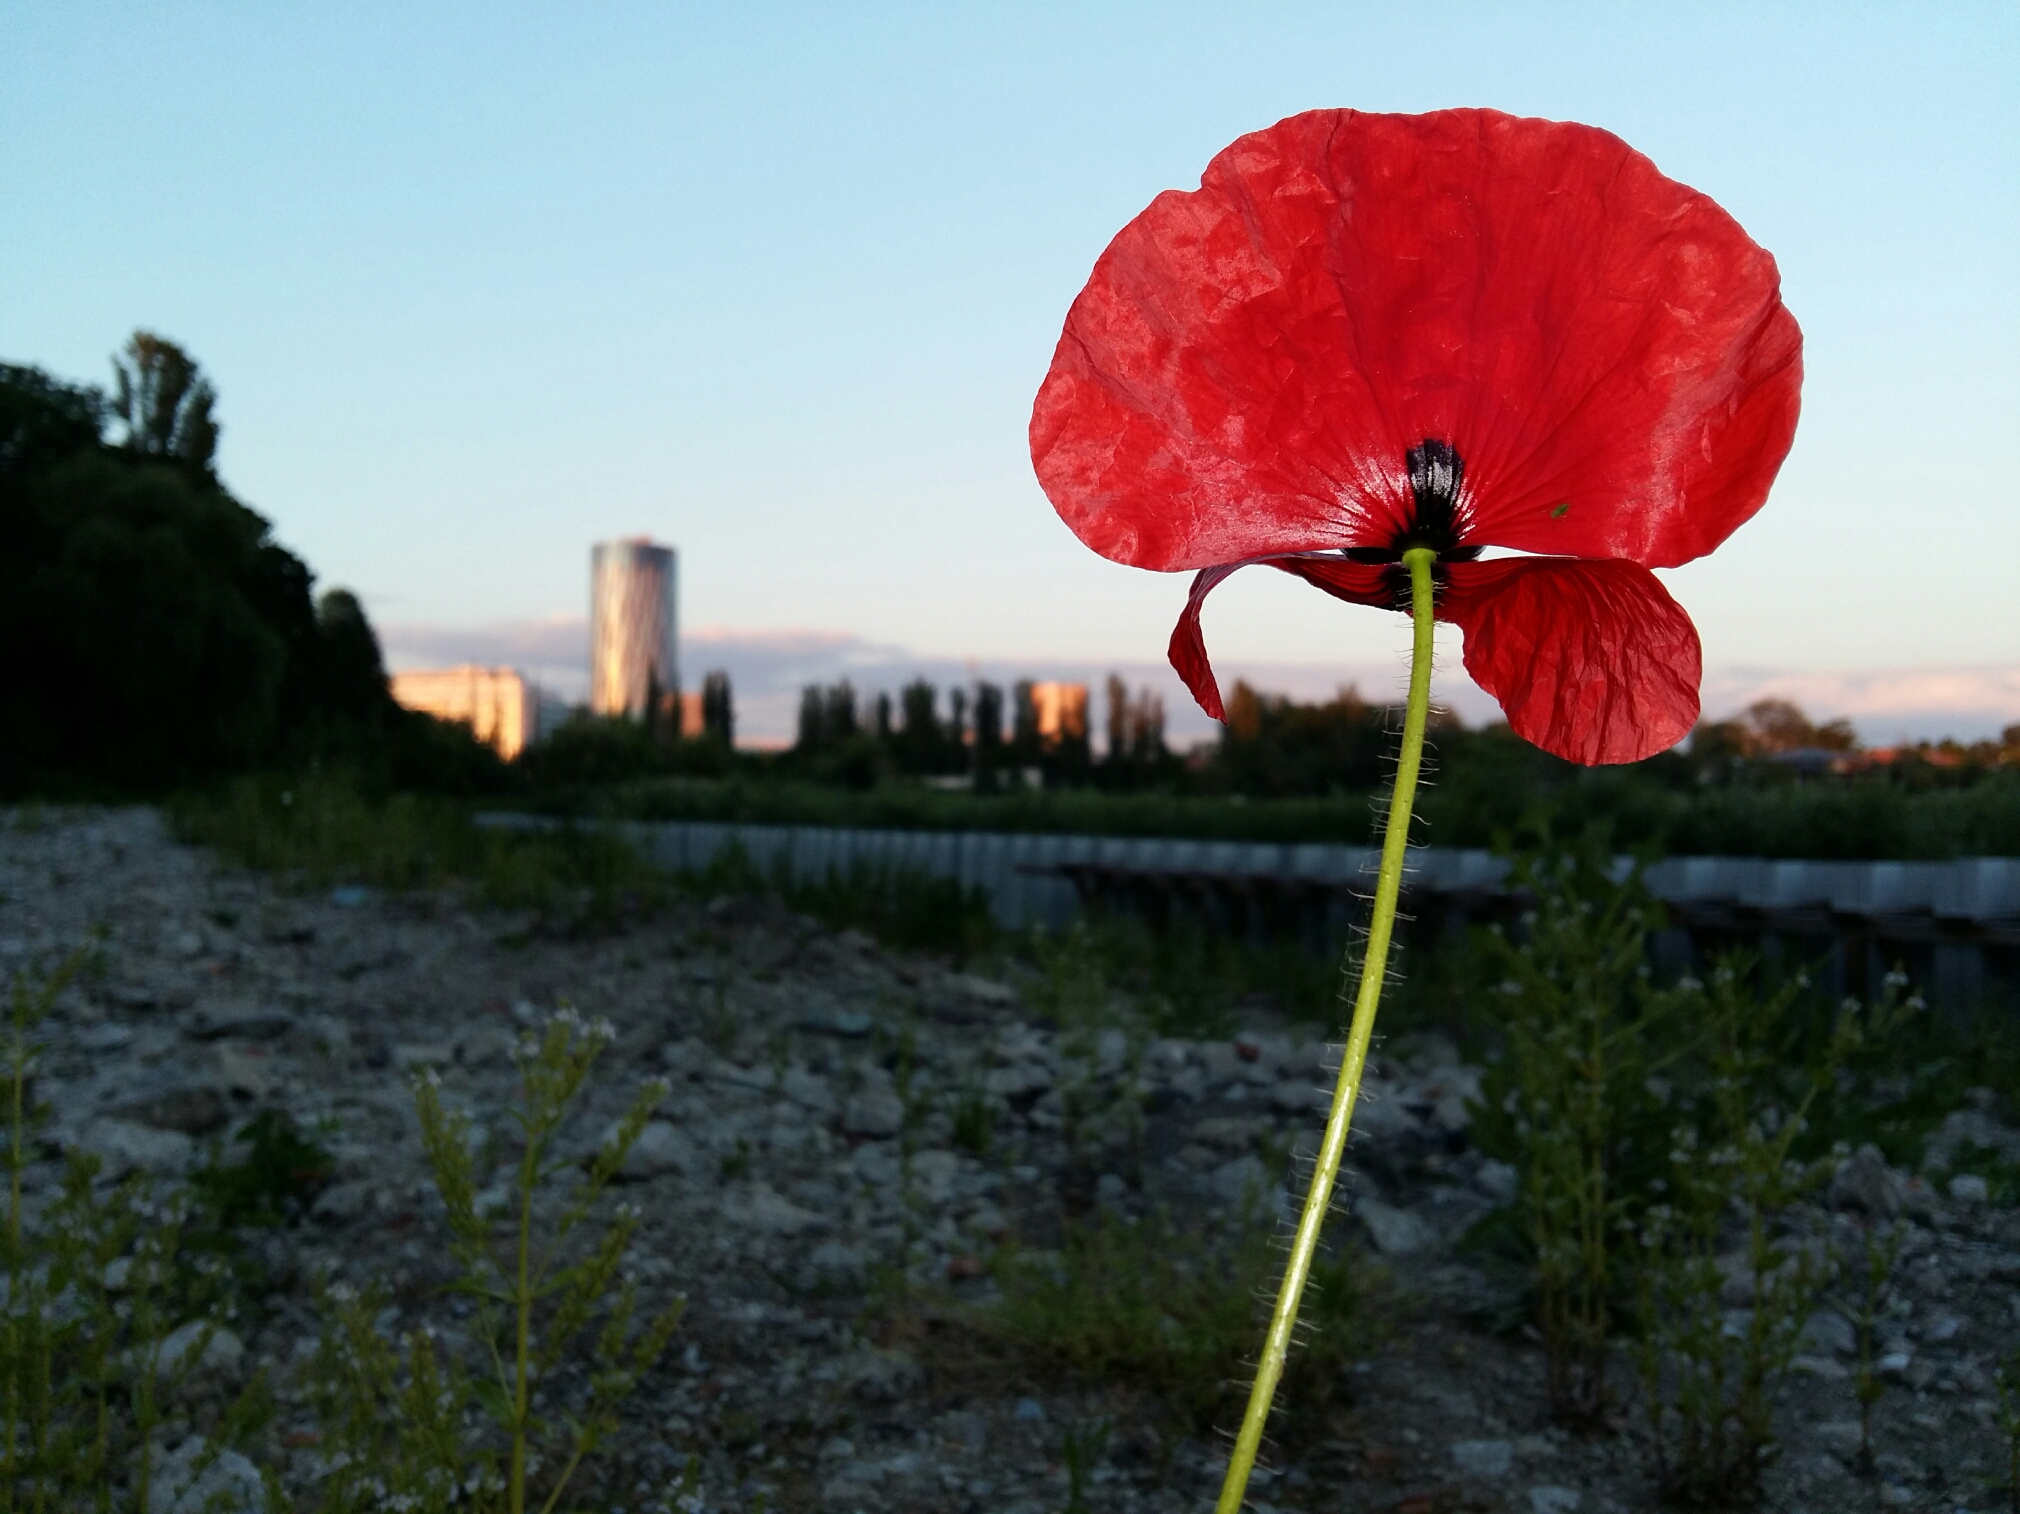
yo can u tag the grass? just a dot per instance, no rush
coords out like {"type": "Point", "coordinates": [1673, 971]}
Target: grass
{"type": "Point", "coordinates": [1169, 1311]}
{"type": "Point", "coordinates": [102, 1285]}
{"type": "Point", "coordinates": [1478, 797]}
{"type": "Point", "coordinates": [319, 832]}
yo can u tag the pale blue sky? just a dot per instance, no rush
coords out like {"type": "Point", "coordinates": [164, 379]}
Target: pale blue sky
{"type": "Point", "coordinates": [480, 284]}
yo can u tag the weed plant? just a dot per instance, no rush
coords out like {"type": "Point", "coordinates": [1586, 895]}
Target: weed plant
{"type": "Point", "coordinates": [1868, 1281]}
{"type": "Point", "coordinates": [1570, 1101]}
{"type": "Point", "coordinates": [2007, 1379]}
{"type": "Point", "coordinates": [1080, 1451]}
{"type": "Point", "coordinates": [421, 1424]}
{"type": "Point", "coordinates": [319, 831]}
{"type": "Point", "coordinates": [1665, 1138]}
{"type": "Point", "coordinates": [1169, 1311]}
{"type": "Point", "coordinates": [1710, 1379]}
{"type": "Point", "coordinates": [106, 1319]}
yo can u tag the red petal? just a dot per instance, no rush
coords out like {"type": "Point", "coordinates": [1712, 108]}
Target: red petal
{"type": "Point", "coordinates": [1249, 364]}
{"type": "Point", "coordinates": [1356, 583]}
{"type": "Point", "coordinates": [1188, 645]}
{"type": "Point", "coordinates": [1591, 660]}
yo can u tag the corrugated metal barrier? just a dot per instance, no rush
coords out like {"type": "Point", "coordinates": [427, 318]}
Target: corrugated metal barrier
{"type": "Point", "coordinates": [1955, 926]}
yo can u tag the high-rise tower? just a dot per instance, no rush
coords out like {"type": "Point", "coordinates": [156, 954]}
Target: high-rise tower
{"type": "Point", "coordinates": [633, 629]}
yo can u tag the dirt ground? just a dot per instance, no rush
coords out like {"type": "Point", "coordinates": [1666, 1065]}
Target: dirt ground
{"type": "Point", "coordinates": [853, 1136]}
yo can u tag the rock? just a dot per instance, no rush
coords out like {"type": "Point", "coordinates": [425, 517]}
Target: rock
{"type": "Point", "coordinates": [833, 1265]}
{"type": "Point", "coordinates": [1230, 1132]}
{"type": "Point", "coordinates": [340, 1203]}
{"type": "Point", "coordinates": [188, 1480]}
{"type": "Point", "coordinates": [1943, 1329]}
{"type": "Point", "coordinates": [1918, 1200]}
{"type": "Point", "coordinates": [221, 1350]}
{"type": "Point", "coordinates": [1111, 1052]}
{"type": "Point", "coordinates": [105, 1037]}
{"type": "Point", "coordinates": [123, 1147]}
{"type": "Point", "coordinates": [245, 1022]}
{"type": "Point", "coordinates": [874, 1112]}
{"type": "Point", "coordinates": [1380, 1113]}
{"type": "Point", "coordinates": [759, 1206]}
{"type": "Point", "coordinates": [1449, 1095]}
{"type": "Point", "coordinates": [933, 1176]}
{"type": "Point", "coordinates": [1019, 1082]}
{"type": "Point", "coordinates": [879, 1374]}
{"type": "Point", "coordinates": [1395, 1232]}
{"type": "Point", "coordinates": [661, 1148]}
{"type": "Point", "coordinates": [1111, 1190]}
{"type": "Point", "coordinates": [1483, 1458]}
{"type": "Point", "coordinates": [1842, 1438]}
{"type": "Point", "coordinates": [982, 990]}
{"type": "Point", "coordinates": [1969, 1188]}
{"type": "Point", "coordinates": [411, 1056]}
{"type": "Point", "coordinates": [1498, 1180]}
{"type": "Point", "coordinates": [1828, 1332]}
{"type": "Point", "coordinates": [1241, 1181]}
{"type": "Point", "coordinates": [1894, 1365]}
{"type": "Point", "coordinates": [1548, 1498]}
{"type": "Point", "coordinates": [1293, 1097]}
{"type": "Point", "coordinates": [1866, 1183]}
{"type": "Point", "coordinates": [244, 1070]}
{"type": "Point", "coordinates": [809, 1090]}
{"type": "Point", "coordinates": [194, 1109]}
{"type": "Point", "coordinates": [845, 1023]}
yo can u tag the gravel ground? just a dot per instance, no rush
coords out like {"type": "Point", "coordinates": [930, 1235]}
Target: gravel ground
{"type": "Point", "coordinates": [806, 1158]}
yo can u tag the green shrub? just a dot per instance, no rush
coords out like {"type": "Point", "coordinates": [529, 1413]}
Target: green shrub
{"type": "Point", "coordinates": [97, 1280]}
{"type": "Point", "coordinates": [416, 1425]}
{"type": "Point", "coordinates": [1170, 1312]}
{"type": "Point", "coordinates": [1569, 1101]}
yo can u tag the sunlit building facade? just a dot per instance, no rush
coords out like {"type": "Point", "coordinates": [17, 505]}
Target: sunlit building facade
{"type": "Point", "coordinates": [633, 639]}
{"type": "Point", "coordinates": [1061, 711]}
{"type": "Point", "coordinates": [498, 704]}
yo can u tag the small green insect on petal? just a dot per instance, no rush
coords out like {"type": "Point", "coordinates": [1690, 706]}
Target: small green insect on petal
{"type": "Point", "coordinates": [1557, 510]}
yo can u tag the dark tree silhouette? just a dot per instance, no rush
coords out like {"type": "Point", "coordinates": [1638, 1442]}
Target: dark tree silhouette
{"type": "Point", "coordinates": [165, 403]}
{"type": "Point", "coordinates": [718, 714]}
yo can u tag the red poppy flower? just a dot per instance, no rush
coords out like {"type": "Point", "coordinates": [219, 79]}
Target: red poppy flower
{"type": "Point", "coordinates": [1365, 333]}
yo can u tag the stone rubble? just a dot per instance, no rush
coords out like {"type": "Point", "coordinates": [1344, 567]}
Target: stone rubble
{"type": "Point", "coordinates": [809, 1151]}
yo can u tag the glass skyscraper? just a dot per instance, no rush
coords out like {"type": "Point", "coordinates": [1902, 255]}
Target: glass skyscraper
{"type": "Point", "coordinates": [633, 636]}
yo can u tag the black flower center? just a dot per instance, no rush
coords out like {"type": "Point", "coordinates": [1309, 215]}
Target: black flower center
{"type": "Point", "coordinates": [1437, 474]}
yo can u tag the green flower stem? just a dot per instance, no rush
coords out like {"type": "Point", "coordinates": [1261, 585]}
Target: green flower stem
{"type": "Point", "coordinates": [1374, 966]}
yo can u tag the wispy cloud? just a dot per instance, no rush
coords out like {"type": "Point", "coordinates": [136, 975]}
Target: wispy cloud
{"type": "Point", "coordinates": [769, 668]}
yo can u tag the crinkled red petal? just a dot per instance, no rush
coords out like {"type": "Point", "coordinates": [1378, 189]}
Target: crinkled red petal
{"type": "Point", "coordinates": [1188, 644]}
{"type": "Point", "coordinates": [1355, 582]}
{"type": "Point", "coordinates": [1590, 659]}
{"type": "Point", "coordinates": [1250, 363]}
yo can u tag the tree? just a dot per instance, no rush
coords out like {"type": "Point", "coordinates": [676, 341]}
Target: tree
{"type": "Point", "coordinates": [718, 715]}
{"type": "Point", "coordinates": [44, 420]}
{"type": "Point", "coordinates": [988, 720]}
{"type": "Point", "coordinates": [154, 632]}
{"type": "Point", "coordinates": [165, 403]}
{"type": "Point", "coordinates": [917, 744]}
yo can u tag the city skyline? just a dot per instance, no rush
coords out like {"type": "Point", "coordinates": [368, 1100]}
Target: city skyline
{"type": "Point", "coordinates": [480, 288]}
{"type": "Point", "coordinates": [769, 668]}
